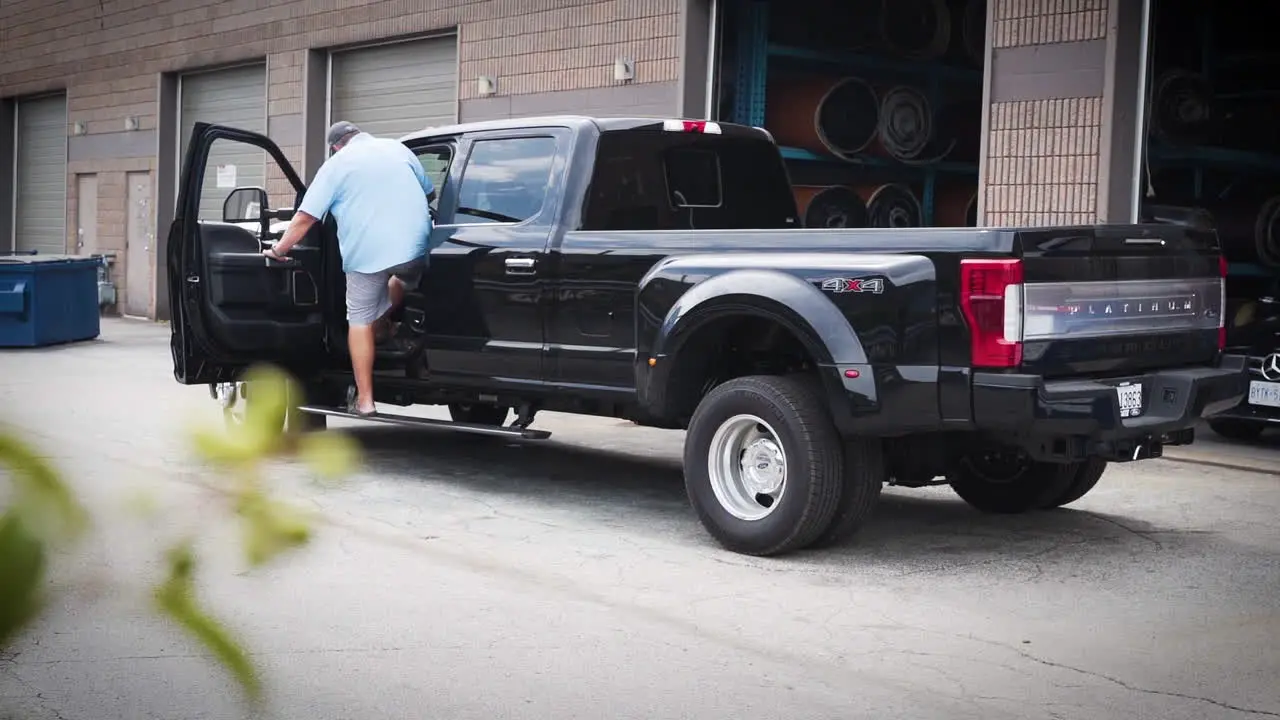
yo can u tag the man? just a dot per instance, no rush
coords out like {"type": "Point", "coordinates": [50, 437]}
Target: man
{"type": "Point", "coordinates": [377, 191]}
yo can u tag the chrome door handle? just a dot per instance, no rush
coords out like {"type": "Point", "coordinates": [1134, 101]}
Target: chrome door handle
{"type": "Point", "coordinates": [520, 266]}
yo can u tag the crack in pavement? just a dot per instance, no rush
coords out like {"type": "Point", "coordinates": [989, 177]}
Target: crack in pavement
{"type": "Point", "coordinates": [1117, 681]}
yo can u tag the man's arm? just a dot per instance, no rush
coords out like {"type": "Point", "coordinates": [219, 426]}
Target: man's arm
{"type": "Point", "coordinates": [298, 227]}
{"type": "Point", "coordinates": [315, 203]}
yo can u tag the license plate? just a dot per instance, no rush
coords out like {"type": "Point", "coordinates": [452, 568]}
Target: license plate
{"type": "Point", "coordinates": [1130, 396]}
{"type": "Point", "coordinates": [1264, 393]}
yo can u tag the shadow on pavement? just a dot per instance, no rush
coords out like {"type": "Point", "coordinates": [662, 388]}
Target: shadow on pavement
{"type": "Point", "coordinates": [912, 530]}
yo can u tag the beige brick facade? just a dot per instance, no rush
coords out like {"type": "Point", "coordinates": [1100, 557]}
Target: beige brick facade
{"type": "Point", "coordinates": [1043, 162]}
{"type": "Point", "coordinates": [1043, 154]}
{"type": "Point", "coordinates": [1041, 22]}
{"type": "Point", "coordinates": [109, 56]}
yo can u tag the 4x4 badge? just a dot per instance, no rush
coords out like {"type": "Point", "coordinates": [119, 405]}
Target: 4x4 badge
{"type": "Point", "coordinates": [853, 285]}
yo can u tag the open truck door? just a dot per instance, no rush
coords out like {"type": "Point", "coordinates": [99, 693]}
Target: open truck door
{"type": "Point", "coordinates": [233, 306]}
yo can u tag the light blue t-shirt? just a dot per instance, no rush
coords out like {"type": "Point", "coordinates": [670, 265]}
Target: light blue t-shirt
{"type": "Point", "coordinates": [377, 191]}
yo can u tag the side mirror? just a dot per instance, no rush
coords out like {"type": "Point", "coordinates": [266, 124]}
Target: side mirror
{"type": "Point", "coordinates": [283, 214]}
{"type": "Point", "coordinates": [244, 204]}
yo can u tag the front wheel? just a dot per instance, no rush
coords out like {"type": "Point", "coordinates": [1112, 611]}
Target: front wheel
{"type": "Point", "coordinates": [763, 465]}
{"type": "Point", "coordinates": [234, 397]}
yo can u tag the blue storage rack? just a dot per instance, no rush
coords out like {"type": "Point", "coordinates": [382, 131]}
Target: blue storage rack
{"type": "Point", "coordinates": [754, 53]}
{"type": "Point", "coordinates": [1198, 157]}
{"type": "Point", "coordinates": [48, 299]}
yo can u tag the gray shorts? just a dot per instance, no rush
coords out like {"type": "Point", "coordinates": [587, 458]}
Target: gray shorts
{"type": "Point", "coordinates": [367, 293]}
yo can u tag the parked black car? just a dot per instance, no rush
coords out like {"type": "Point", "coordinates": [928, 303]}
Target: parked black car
{"type": "Point", "coordinates": [657, 271]}
{"type": "Point", "coordinates": [1257, 337]}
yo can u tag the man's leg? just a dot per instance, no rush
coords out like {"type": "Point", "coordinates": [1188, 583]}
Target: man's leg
{"type": "Point", "coordinates": [402, 278]}
{"type": "Point", "coordinates": [367, 301]}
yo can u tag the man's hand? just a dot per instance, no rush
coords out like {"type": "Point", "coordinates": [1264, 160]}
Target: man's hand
{"type": "Point", "coordinates": [298, 227]}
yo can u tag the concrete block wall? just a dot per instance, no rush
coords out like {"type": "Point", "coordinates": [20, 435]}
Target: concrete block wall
{"type": "Point", "coordinates": [110, 57]}
{"type": "Point", "coordinates": [1064, 85]}
{"type": "Point", "coordinates": [1045, 86]}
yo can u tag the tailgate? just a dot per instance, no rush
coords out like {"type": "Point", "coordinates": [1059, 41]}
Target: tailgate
{"type": "Point", "coordinates": [1111, 300]}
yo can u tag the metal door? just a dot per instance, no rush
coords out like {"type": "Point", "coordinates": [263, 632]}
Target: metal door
{"type": "Point", "coordinates": [86, 214]}
{"type": "Point", "coordinates": [40, 194]}
{"type": "Point", "coordinates": [139, 238]}
{"type": "Point", "coordinates": [235, 97]}
{"type": "Point", "coordinates": [399, 88]}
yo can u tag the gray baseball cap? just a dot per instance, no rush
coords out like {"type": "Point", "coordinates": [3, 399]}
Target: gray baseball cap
{"type": "Point", "coordinates": [339, 130]}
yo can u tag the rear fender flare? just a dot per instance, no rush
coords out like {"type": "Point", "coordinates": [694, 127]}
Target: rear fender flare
{"type": "Point", "coordinates": [795, 304]}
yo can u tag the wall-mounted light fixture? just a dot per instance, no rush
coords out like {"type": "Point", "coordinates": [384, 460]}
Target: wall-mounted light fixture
{"type": "Point", "coordinates": [131, 123]}
{"type": "Point", "coordinates": [624, 69]}
{"type": "Point", "coordinates": [486, 85]}
{"type": "Point", "coordinates": [79, 128]}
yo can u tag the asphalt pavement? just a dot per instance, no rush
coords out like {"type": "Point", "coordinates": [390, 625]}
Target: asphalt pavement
{"type": "Point", "coordinates": [469, 577]}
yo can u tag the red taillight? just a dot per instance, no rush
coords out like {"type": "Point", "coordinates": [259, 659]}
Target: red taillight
{"type": "Point", "coordinates": [1222, 303]}
{"type": "Point", "coordinates": [991, 300]}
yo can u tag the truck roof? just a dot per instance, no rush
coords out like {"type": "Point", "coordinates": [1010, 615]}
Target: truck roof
{"type": "Point", "coordinates": [604, 124]}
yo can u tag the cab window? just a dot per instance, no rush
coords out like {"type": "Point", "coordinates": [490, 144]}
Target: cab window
{"type": "Point", "coordinates": [505, 180]}
{"type": "Point", "coordinates": [436, 160]}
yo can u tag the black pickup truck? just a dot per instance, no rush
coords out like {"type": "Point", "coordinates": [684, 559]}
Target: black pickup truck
{"type": "Point", "coordinates": [656, 270]}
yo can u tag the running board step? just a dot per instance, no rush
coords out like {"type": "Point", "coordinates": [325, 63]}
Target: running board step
{"type": "Point", "coordinates": [409, 421]}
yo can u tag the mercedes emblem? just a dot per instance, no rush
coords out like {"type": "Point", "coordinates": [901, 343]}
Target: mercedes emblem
{"type": "Point", "coordinates": [1271, 367]}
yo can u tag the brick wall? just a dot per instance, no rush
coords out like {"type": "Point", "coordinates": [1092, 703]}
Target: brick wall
{"type": "Point", "coordinates": [108, 57]}
{"type": "Point", "coordinates": [1043, 162]}
{"type": "Point", "coordinates": [1044, 140]}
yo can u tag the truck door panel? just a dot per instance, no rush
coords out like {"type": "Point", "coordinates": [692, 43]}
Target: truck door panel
{"type": "Point", "coordinates": [489, 266]}
{"type": "Point", "coordinates": [233, 306]}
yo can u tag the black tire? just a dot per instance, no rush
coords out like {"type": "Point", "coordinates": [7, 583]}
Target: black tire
{"type": "Point", "coordinates": [1013, 484]}
{"type": "Point", "coordinates": [1086, 477]}
{"type": "Point", "coordinates": [864, 478]}
{"type": "Point", "coordinates": [479, 414]}
{"type": "Point", "coordinates": [814, 464]}
{"type": "Point", "coordinates": [1237, 429]}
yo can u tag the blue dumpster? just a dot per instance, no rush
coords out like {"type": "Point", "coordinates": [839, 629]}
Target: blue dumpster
{"type": "Point", "coordinates": [48, 299]}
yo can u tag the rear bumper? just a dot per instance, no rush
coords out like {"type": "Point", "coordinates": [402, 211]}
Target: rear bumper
{"type": "Point", "coordinates": [1073, 419]}
{"type": "Point", "coordinates": [1247, 412]}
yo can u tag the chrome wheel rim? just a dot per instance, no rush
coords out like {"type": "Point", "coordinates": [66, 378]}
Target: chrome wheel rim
{"type": "Point", "coordinates": [748, 467]}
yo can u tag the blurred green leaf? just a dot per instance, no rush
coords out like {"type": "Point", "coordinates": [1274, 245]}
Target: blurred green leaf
{"type": "Point", "coordinates": [42, 501]}
{"type": "Point", "coordinates": [264, 420]}
{"type": "Point", "coordinates": [330, 455]}
{"type": "Point", "coordinates": [22, 570]}
{"type": "Point", "coordinates": [45, 511]}
{"type": "Point", "coordinates": [175, 598]}
{"type": "Point", "coordinates": [270, 528]}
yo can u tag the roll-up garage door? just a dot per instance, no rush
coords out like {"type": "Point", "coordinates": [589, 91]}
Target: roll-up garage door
{"type": "Point", "coordinates": [392, 90]}
{"type": "Point", "coordinates": [236, 97]}
{"type": "Point", "coordinates": [41, 207]}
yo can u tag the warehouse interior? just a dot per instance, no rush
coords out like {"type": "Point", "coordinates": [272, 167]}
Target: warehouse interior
{"type": "Point", "coordinates": [877, 105]}
{"type": "Point", "coordinates": [1213, 146]}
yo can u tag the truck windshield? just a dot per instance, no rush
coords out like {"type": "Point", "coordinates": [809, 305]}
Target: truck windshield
{"type": "Point", "coordinates": [657, 180]}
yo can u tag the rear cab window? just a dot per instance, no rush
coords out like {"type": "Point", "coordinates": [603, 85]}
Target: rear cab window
{"type": "Point", "coordinates": [652, 179]}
